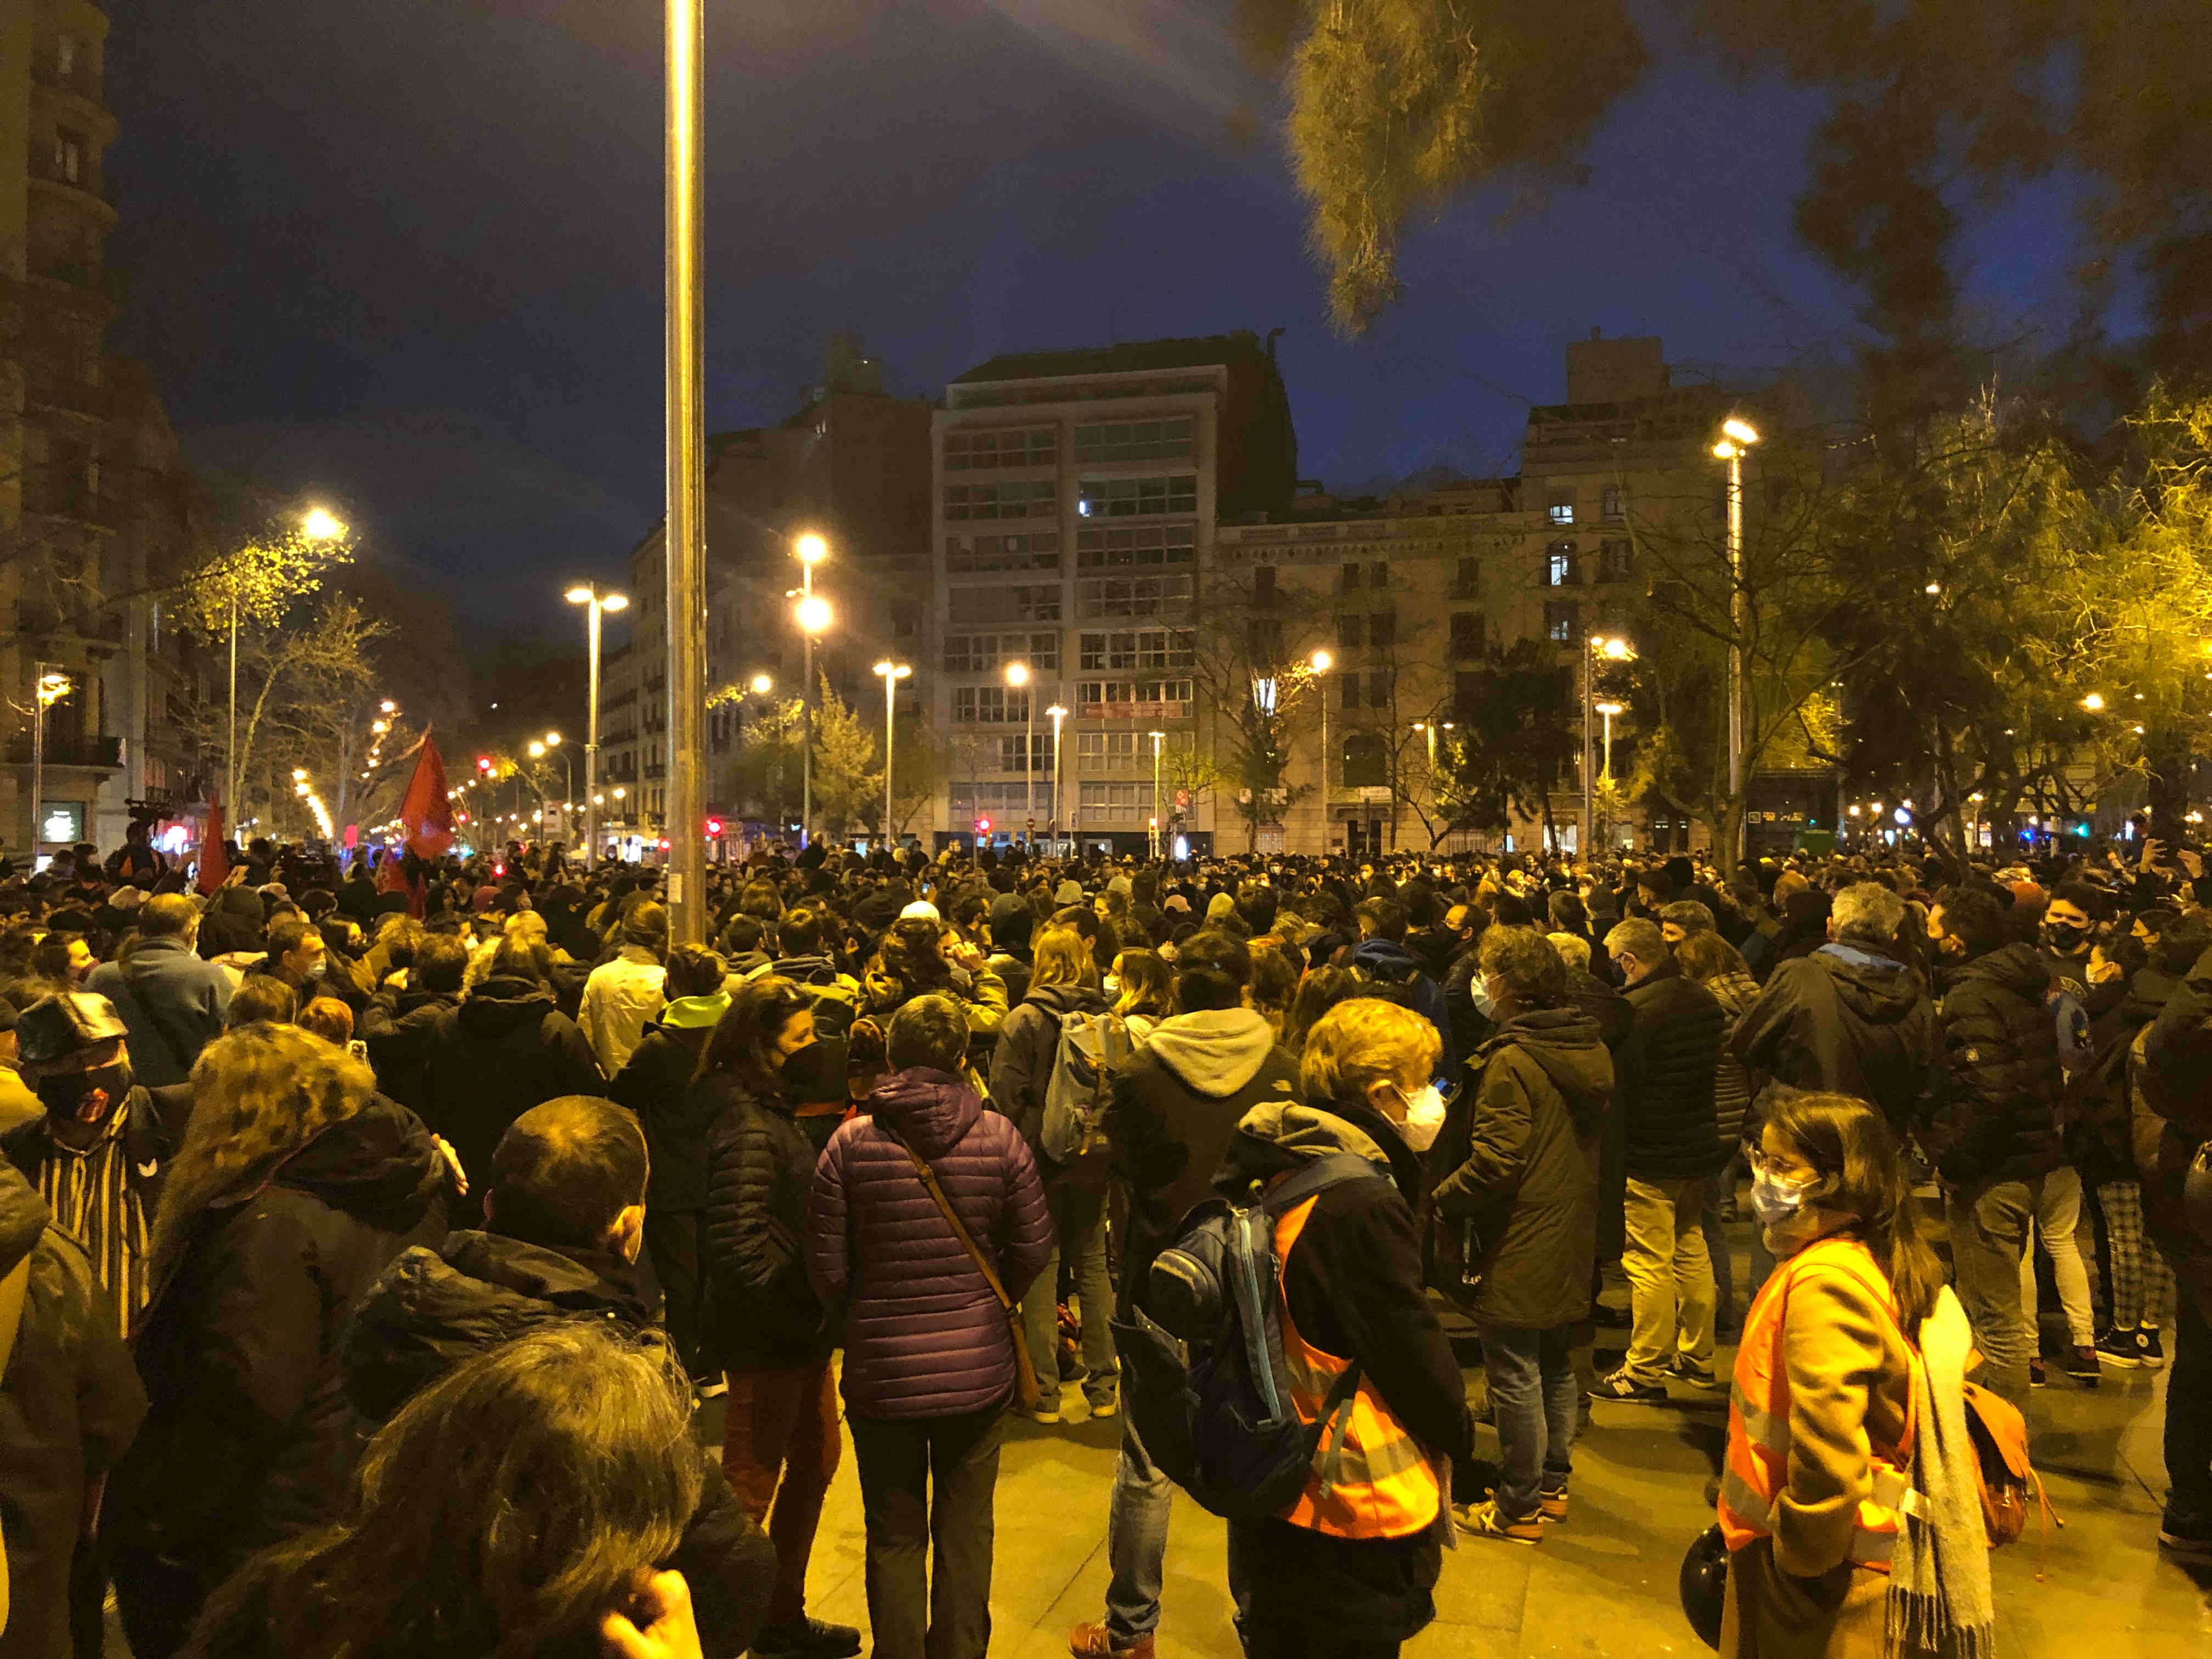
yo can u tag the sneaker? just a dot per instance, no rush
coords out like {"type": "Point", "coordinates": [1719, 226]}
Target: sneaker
{"type": "Point", "coordinates": [807, 1638]}
{"type": "Point", "coordinates": [1109, 1407]}
{"type": "Point", "coordinates": [2148, 1352]}
{"type": "Point", "coordinates": [1623, 1386]}
{"type": "Point", "coordinates": [711, 1388]}
{"type": "Point", "coordinates": [2117, 1347]}
{"type": "Point", "coordinates": [2193, 1541]}
{"type": "Point", "coordinates": [1043, 1417]}
{"type": "Point", "coordinates": [1483, 1521]}
{"type": "Point", "coordinates": [1096, 1642]}
{"type": "Point", "coordinates": [2036, 1377]}
{"type": "Point", "coordinates": [1551, 1505]}
{"type": "Point", "coordinates": [2081, 1365]}
{"type": "Point", "coordinates": [1688, 1370]}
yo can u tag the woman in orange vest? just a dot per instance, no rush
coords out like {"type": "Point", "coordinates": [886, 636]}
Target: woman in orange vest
{"type": "Point", "coordinates": [1348, 1571]}
{"type": "Point", "coordinates": [1821, 1416]}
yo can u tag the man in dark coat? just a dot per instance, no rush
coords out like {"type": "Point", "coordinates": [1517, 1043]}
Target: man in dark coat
{"type": "Point", "coordinates": [69, 1405]}
{"type": "Point", "coordinates": [1993, 1131]}
{"type": "Point", "coordinates": [401, 1024]}
{"type": "Point", "coordinates": [564, 1223]}
{"type": "Point", "coordinates": [1673, 1147]}
{"type": "Point", "coordinates": [505, 1050]}
{"type": "Point", "coordinates": [1173, 1114]}
{"type": "Point", "coordinates": [172, 1002]}
{"type": "Point", "coordinates": [1519, 1209]}
{"type": "Point", "coordinates": [1851, 1018]}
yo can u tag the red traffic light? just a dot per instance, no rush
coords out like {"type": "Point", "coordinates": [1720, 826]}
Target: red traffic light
{"type": "Point", "coordinates": [713, 826]}
{"type": "Point", "coordinates": [483, 762]}
{"type": "Point", "coordinates": [982, 826]}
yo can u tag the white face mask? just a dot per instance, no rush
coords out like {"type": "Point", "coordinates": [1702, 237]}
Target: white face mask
{"type": "Point", "coordinates": [1424, 1117]}
{"type": "Point", "coordinates": [1113, 985]}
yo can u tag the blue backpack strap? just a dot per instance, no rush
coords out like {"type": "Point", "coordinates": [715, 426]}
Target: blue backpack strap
{"type": "Point", "coordinates": [1318, 1175]}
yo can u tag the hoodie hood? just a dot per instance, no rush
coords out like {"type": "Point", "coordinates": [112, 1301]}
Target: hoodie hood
{"type": "Point", "coordinates": [1215, 1052]}
{"type": "Point", "coordinates": [381, 1166]}
{"type": "Point", "coordinates": [930, 1111]}
{"type": "Point", "coordinates": [1878, 990]}
{"type": "Point", "coordinates": [502, 1003]}
{"type": "Point", "coordinates": [433, 1309]}
{"type": "Point", "coordinates": [1566, 1045]}
{"type": "Point", "coordinates": [1385, 959]}
{"type": "Point", "coordinates": [1276, 1136]}
{"type": "Point", "coordinates": [1067, 998]}
{"type": "Point", "coordinates": [694, 1013]}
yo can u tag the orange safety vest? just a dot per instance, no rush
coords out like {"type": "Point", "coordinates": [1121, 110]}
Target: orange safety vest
{"type": "Point", "coordinates": [1757, 1468]}
{"type": "Point", "coordinates": [1370, 1479]}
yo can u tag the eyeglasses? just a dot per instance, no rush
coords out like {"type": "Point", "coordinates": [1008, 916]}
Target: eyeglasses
{"type": "Point", "coordinates": [1778, 1168]}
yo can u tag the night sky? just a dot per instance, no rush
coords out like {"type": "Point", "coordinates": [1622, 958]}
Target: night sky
{"type": "Point", "coordinates": [406, 255]}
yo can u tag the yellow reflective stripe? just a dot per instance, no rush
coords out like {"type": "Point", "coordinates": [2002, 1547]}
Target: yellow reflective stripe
{"type": "Point", "coordinates": [1745, 1502]}
{"type": "Point", "coordinates": [1362, 1462]}
{"type": "Point", "coordinates": [1761, 1426]}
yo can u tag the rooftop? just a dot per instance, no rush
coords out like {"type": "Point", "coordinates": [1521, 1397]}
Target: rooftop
{"type": "Point", "coordinates": [1137, 357]}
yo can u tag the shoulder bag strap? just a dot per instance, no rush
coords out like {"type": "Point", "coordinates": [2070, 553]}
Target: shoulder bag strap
{"type": "Point", "coordinates": [952, 1219]}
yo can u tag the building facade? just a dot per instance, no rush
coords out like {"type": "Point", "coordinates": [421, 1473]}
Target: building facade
{"type": "Point", "coordinates": [1077, 500]}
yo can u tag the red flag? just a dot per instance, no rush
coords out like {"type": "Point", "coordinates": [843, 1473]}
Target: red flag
{"type": "Point", "coordinates": [215, 863]}
{"type": "Point", "coordinates": [426, 816]}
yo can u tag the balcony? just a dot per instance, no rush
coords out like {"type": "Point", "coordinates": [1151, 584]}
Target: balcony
{"type": "Point", "coordinates": [79, 80]}
{"type": "Point", "coordinates": [93, 754]}
{"type": "Point", "coordinates": [58, 622]}
{"type": "Point", "coordinates": [56, 267]}
{"type": "Point", "coordinates": [77, 397]}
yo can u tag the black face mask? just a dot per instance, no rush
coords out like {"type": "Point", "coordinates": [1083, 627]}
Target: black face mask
{"type": "Point", "coordinates": [88, 1098]}
{"type": "Point", "coordinates": [2064, 937]}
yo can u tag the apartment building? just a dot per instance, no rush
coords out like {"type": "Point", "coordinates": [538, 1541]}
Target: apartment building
{"type": "Point", "coordinates": [1077, 497]}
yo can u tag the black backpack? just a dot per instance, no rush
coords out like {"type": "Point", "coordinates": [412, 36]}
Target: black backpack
{"type": "Point", "coordinates": [1210, 1391]}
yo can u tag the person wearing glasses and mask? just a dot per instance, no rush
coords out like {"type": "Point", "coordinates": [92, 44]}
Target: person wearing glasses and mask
{"type": "Point", "coordinates": [1517, 1219]}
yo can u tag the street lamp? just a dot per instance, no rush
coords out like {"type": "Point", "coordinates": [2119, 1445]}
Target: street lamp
{"type": "Point", "coordinates": [319, 525]}
{"type": "Point", "coordinates": [1608, 710]}
{"type": "Point", "coordinates": [893, 672]}
{"type": "Point", "coordinates": [1610, 648]}
{"type": "Point", "coordinates": [1322, 662]}
{"type": "Point", "coordinates": [1737, 435]}
{"type": "Point", "coordinates": [596, 603]}
{"type": "Point", "coordinates": [1057, 714]}
{"type": "Point", "coordinates": [53, 686]}
{"type": "Point", "coordinates": [1158, 738]}
{"type": "Point", "coordinates": [1018, 677]}
{"type": "Point", "coordinates": [814, 618]}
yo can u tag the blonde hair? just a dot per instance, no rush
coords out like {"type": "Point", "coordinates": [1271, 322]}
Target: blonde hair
{"type": "Point", "coordinates": [1060, 957]}
{"type": "Point", "coordinates": [259, 1094]}
{"type": "Point", "coordinates": [1573, 949]}
{"type": "Point", "coordinates": [1365, 1041]}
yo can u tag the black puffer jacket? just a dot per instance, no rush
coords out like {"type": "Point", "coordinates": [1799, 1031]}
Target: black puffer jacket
{"type": "Point", "coordinates": [1997, 1119]}
{"type": "Point", "coordinates": [1673, 1127]}
{"type": "Point", "coordinates": [249, 1440]}
{"type": "Point", "coordinates": [1028, 1045]}
{"type": "Point", "coordinates": [1849, 1020]}
{"type": "Point", "coordinates": [432, 1310]}
{"type": "Point", "coordinates": [2170, 1090]}
{"type": "Point", "coordinates": [760, 1167]}
{"type": "Point", "coordinates": [1520, 1201]}
{"type": "Point", "coordinates": [505, 1049]}
{"type": "Point", "coordinates": [400, 1028]}
{"type": "Point", "coordinates": [70, 1404]}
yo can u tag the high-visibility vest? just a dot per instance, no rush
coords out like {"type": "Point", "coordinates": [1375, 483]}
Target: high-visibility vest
{"type": "Point", "coordinates": [1370, 1479]}
{"type": "Point", "coordinates": [1757, 1468]}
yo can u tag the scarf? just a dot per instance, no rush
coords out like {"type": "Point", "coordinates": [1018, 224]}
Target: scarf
{"type": "Point", "coordinates": [1939, 1575]}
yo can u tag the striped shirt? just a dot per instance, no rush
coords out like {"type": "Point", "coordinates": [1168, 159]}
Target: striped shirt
{"type": "Point", "coordinates": [96, 1198]}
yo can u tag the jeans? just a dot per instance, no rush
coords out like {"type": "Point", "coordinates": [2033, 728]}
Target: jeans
{"type": "Point", "coordinates": [1728, 1313]}
{"type": "Point", "coordinates": [783, 1423]}
{"type": "Point", "coordinates": [1989, 1224]}
{"type": "Point", "coordinates": [1136, 1540]}
{"type": "Point", "coordinates": [2058, 1215]}
{"type": "Point", "coordinates": [1079, 1230]}
{"type": "Point", "coordinates": [1670, 1275]}
{"type": "Point", "coordinates": [2189, 1416]}
{"type": "Point", "coordinates": [928, 1485]}
{"type": "Point", "coordinates": [674, 1251]}
{"type": "Point", "coordinates": [1535, 1400]}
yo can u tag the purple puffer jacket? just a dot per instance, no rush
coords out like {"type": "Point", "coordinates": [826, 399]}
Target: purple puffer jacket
{"type": "Point", "coordinates": [924, 1336]}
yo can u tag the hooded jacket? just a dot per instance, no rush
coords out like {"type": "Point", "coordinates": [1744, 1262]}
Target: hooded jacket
{"type": "Point", "coordinates": [2170, 1118]}
{"type": "Point", "coordinates": [1352, 1286]}
{"type": "Point", "coordinates": [504, 1050]}
{"type": "Point", "coordinates": [1997, 1117]}
{"type": "Point", "coordinates": [434, 1310]}
{"type": "Point", "coordinates": [759, 1168]}
{"type": "Point", "coordinates": [1028, 1047]}
{"type": "Point", "coordinates": [172, 1002]}
{"type": "Point", "coordinates": [399, 1028]}
{"type": "Point", "coordinates": [1388, 962]}
{"type": "Point", "coordinates": [1673, 1126]}
{"type": "Point", "coordinates": [69, 1405]}
{"type": "Point", "coordinates": [619, 997]}
{"type": "Point", "coordinates": [1524, 1149]}
{"type": "Point", "coordinates": [1846, 1019]}
{"type": "Point", "coordinates": [656, 1086]}
{"type": "Point", "coordinates": [1172, 1115]}
{"type": "Point", "coordinates": [924, 1334]}
{"type": "Point", "coordinates": [248, 1441]}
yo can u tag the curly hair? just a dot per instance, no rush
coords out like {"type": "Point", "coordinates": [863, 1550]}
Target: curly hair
{"type": "Point", "coordinates": [259, 1094]}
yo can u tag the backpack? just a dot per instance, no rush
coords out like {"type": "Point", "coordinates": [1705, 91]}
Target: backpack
{"type": "Point", "coordinates": [1400, 989]}
{"type": "Point", "coordinates": [1091, 1051]}
{"type": "Point", "coordinates": [833, 1002]}
{"type": "Point", "coordinates": [1211, 1390]}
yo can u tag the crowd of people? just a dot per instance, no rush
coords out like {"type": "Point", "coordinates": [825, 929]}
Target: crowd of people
{"type": "Point", "coordinates": [354, 1238]}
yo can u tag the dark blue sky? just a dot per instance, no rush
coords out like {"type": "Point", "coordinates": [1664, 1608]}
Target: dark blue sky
{"type": "Point", "coordinates": [407, 255]}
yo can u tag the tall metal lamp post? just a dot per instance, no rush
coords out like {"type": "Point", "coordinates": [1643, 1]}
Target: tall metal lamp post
{"type": "Point", "coordinates": [596, 605]}
{"type": "Point", "coordinates": [1736, 436]}
{"type": "Point", "coordinates": [893, 672]}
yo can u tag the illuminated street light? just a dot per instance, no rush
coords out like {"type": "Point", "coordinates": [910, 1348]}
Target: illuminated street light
{"type": "Point", "coordinates": [814, 615]}
{"type": "Point", "coordinates": [1738, 435]}
{"type": "Point", "coordinates": [811, 549]}
{"type": "Point", "coordinates": [1322, 662]}
{"type": "Point", "coordinates": [762, 685]}
{"type": "Point", "coordinates": [892, 673]}
{"type": "Point", "coordinates": [2094, 702]}
{"type": "Point", "coordinates": [321, 525]}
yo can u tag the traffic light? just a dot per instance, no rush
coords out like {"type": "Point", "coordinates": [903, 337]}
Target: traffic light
{"type": "Point", "coordinates": [483, 762]}
{"type": "Point", "coordinates": [982, 826]}
{"type": "Point", "coordinates": [713, 826]}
